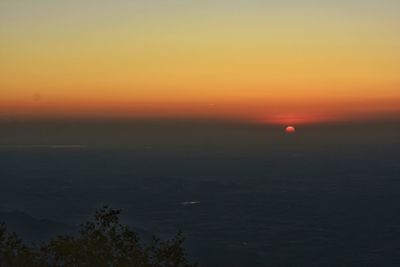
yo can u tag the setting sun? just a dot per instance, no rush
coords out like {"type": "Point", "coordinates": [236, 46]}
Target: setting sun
{"type": "Point", "coordinates": [290, 129]}
{"type": "Point", "coordinates": [266, 131]}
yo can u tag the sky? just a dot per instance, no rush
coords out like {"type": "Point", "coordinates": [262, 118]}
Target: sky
{"type": "Point", "coordinates": [273, 62]}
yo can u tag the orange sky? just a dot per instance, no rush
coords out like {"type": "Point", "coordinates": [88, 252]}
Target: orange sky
{"type": "Point", "coordinates": [238, 60]}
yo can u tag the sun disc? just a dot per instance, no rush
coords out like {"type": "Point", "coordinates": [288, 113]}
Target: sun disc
{"type": "Point", "coordinates": [290, 129]}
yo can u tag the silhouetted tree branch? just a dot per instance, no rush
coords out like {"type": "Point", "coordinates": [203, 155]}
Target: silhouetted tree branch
{"type": "Point", "coordinates": [104, 242]}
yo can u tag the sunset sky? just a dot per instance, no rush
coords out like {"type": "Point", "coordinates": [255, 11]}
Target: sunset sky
{"type": "Point", "coordinates": [280, 62]}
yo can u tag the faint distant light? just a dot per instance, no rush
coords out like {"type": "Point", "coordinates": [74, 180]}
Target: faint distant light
{"type": "Point", "coordinates": [190, 203]}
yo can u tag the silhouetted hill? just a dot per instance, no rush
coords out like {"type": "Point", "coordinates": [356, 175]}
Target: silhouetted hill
{"type": "Point", "coordinates": [33, 229]}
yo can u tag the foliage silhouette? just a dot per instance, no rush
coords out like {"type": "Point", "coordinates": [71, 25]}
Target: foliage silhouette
{"type": "Point", "coordinates": [104, 242]}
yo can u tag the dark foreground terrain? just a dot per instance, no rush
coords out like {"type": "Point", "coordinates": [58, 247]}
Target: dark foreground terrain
{"type": "Point", "coordinates": [241, 196]}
